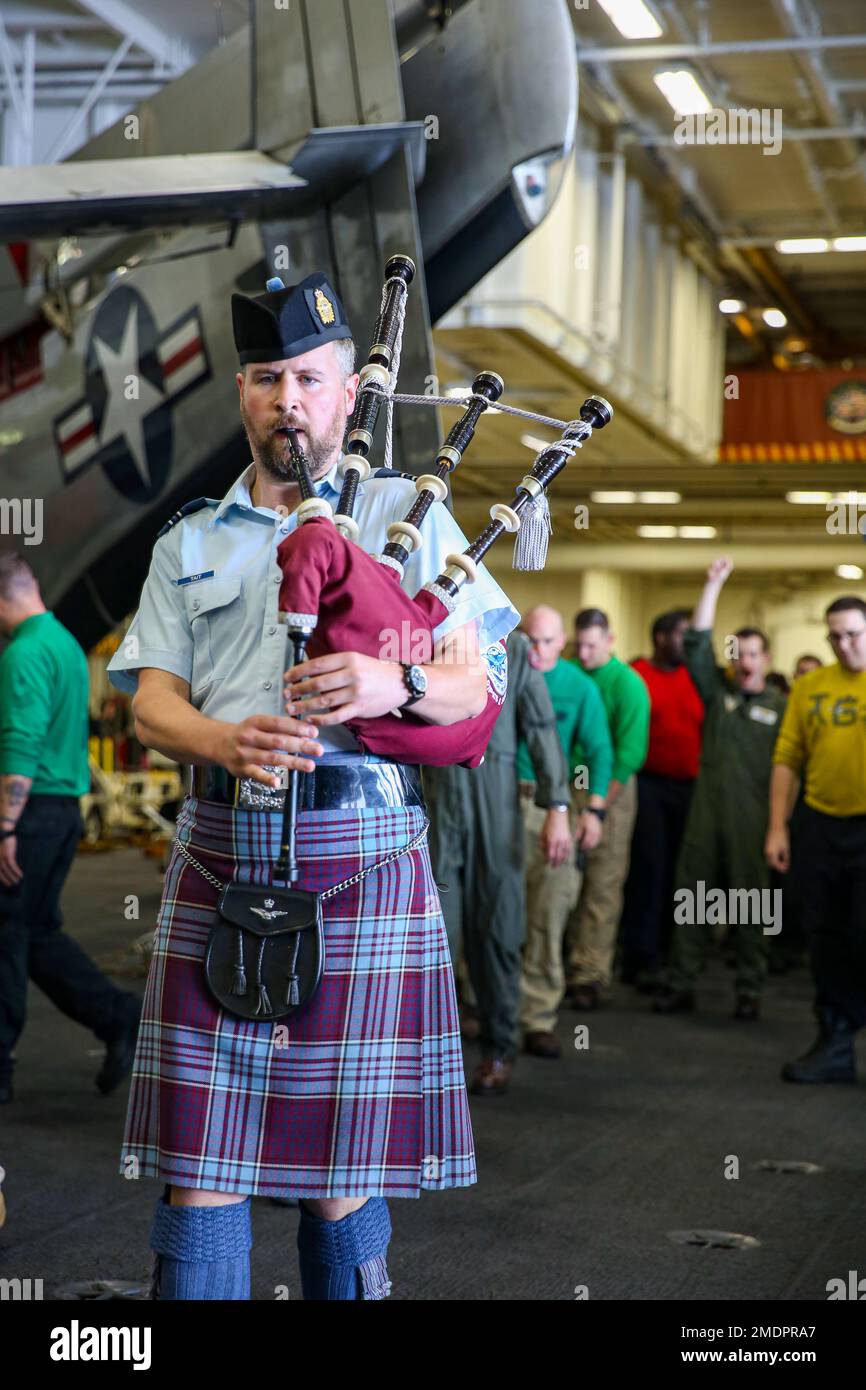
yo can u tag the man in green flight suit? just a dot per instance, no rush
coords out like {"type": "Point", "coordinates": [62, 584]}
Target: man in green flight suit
{"type": "Point", "coordinates": [476, 847]}
{"type": "Point", "coordinates": [723, 844]}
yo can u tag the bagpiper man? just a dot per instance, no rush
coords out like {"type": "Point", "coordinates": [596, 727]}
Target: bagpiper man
{"type": "Point", "coordinates": [358, 1095]}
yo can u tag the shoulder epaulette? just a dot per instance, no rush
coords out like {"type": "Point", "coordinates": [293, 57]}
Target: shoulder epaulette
{"type": "Point", "coordinates": [393, 473]}
{"type": "Point", "coordinates": [187, 510]}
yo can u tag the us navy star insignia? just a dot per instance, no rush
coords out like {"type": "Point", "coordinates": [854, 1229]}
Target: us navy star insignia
{"type": "Point", "coordinates": [135, 375]}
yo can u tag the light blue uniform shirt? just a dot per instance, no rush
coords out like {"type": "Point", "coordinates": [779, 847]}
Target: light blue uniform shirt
{"type": "Point", "coordinates": [208, 611]}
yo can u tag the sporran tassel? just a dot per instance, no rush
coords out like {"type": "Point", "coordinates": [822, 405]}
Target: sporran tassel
{"type": "Point", "coordinates": [239, 976]}
{"type": "Point", "coordinates": [264, 1004]}
{"type": "Point", "coordinates": [530, 544]}
{"type": "Point", "coordinates": [293, 997]}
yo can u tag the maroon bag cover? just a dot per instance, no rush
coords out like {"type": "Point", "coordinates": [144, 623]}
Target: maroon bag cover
{"type": "Point", "coordinates": [358, 603]}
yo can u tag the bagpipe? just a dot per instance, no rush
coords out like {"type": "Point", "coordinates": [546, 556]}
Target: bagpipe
{"type": "Point", "coordinates": [336, 597]}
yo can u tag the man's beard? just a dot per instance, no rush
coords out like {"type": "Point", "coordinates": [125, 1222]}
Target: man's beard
{"type": "Point", "coordinates": [272, 451]}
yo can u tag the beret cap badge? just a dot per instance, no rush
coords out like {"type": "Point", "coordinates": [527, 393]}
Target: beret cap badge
{"type": "Point", "coordinates": [324, 307]}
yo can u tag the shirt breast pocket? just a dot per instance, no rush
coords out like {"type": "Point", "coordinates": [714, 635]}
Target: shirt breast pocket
{"type": "Point", "coordinates": [214, 614]}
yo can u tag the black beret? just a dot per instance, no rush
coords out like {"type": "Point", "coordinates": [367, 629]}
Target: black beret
{"type": "Point", "coordinates": [284, 322]}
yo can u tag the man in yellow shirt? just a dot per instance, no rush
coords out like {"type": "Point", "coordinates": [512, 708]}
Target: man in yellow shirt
{"type": "Point", "coordinates": [824, 732]}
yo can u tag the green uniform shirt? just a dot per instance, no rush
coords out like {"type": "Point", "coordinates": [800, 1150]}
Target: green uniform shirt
{"type": "Point", "coordinates": [43, 708]}
{"type": "Point", "coordinates": [627, 704]}
{"type": "Point", "coordinates": [740, 733]}
{"type": "Point", "coordinates": [581, 723]}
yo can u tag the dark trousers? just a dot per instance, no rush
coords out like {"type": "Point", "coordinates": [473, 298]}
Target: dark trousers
{"type": "Point", "coordinates": [832, 870]}
{"type": "Point", "coordinates": [790, 944]}
{"type": "Point", "coordinates": [32, 942]}
{"type": "Point", "coordinates": [662, 808]}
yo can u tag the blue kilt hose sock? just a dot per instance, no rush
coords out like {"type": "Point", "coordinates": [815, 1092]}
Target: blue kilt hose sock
{"type": "Point", "coordinates": [345, 1259]}
{"type": "Point", "coordinates": [201, 1252]}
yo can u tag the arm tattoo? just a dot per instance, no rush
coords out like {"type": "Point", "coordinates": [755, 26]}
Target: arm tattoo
{"type": "Point", "coordinates": [14, 791]}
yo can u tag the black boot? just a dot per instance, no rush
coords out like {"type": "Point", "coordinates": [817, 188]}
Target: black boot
{"type": "Point", "coordinates": [120, 1049]}
{"type": "Point", "coordinates": [831, 1056]}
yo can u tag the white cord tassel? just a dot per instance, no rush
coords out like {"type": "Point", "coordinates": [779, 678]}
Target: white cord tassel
{"type": "Point", "coordinates": [530, 545]}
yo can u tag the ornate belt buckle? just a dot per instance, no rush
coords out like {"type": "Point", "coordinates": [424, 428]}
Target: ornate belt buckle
{"type": "Point", "coordinates": [255, 796]}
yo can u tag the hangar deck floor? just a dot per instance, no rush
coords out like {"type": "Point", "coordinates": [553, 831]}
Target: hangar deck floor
{"type": "Point", "coordinates": [584, 1165]}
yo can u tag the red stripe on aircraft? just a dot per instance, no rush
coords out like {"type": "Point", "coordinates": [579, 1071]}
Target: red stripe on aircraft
{"type": "Point", "coordinates": [182, 356]}
{"type": "Point", "coordinates": [77, 438]}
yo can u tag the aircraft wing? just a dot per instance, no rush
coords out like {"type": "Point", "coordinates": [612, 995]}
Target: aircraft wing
{"type": "Point", "coordinates": [67, 199]}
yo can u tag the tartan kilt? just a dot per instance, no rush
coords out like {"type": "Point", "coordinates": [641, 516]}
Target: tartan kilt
{"type": "Point", "coordinates": [361, 1090]}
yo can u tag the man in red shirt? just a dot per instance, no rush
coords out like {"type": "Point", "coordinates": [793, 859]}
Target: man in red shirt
{"type": "Point", "coordinates": [664, 791]}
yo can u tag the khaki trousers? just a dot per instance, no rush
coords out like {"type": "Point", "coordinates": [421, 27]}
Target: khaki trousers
{"type": "Point", "coordinates": [590, 937]}
{"type": "Point", "coordinates": [551, 894]}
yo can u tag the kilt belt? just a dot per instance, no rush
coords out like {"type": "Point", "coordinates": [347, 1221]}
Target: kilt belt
{"type": "Point", "coordinates": [356, 785]}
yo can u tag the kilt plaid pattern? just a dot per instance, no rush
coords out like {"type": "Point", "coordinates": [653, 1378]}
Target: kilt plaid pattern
{"type": "Point", "coordinates": [361, 1091]}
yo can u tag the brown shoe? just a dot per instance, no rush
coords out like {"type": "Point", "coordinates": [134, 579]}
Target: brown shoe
{"type": "Point", "coordinates": [584, 997]}
{"type": "Point", "coordinates": [542, 1045]}
{"type": "Point", "coordinates": [491, 1077]}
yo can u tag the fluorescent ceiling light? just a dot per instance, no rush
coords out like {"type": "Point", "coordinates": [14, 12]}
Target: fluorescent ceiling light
{"type": "Point", "coordinates": [774, 318]}
{"type": "Point", "coordinates": [849, 571]}
{"type": "Point", "coordinates": [686, 533]}
{"type": "Point", "coordinates": [731, 306]}
{"type": "Point", "coordinates": [850, 499]}
{"type": "Point", "coordinates": [632, 18]}
{"type": "Point", "coordinates": [531, 441]}
{"type": "Point", "coordinates": [682, 90]}
{"type": "Point", "coordinates": [802, 245]}
{"type": "Point", "coordinates": [809, 499]}
{"type": "Point", "coordinates": [644, 498]}
{"type": "Point", "coordinates": [809, 245]}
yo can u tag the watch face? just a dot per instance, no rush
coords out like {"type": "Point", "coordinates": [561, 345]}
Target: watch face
{"type": "Point", "coordinates": [418, 680]}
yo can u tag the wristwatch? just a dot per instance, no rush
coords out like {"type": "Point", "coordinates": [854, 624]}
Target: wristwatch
{"type": "Point", "coordinates": [415, 680]}
{"type": "Point", "coordinates": [558, 806]}
{"type": "Point", "coordinates": [597, 811]}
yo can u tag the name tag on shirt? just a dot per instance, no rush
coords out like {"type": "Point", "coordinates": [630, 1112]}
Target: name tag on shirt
{"type": "Point", "coordinates": [194, 578]}
{"type": "Point", "coordinates": [763, 715]}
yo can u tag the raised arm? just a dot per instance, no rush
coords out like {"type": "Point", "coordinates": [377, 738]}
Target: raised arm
{"type": "Point", "coordinates": [718, 572]}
